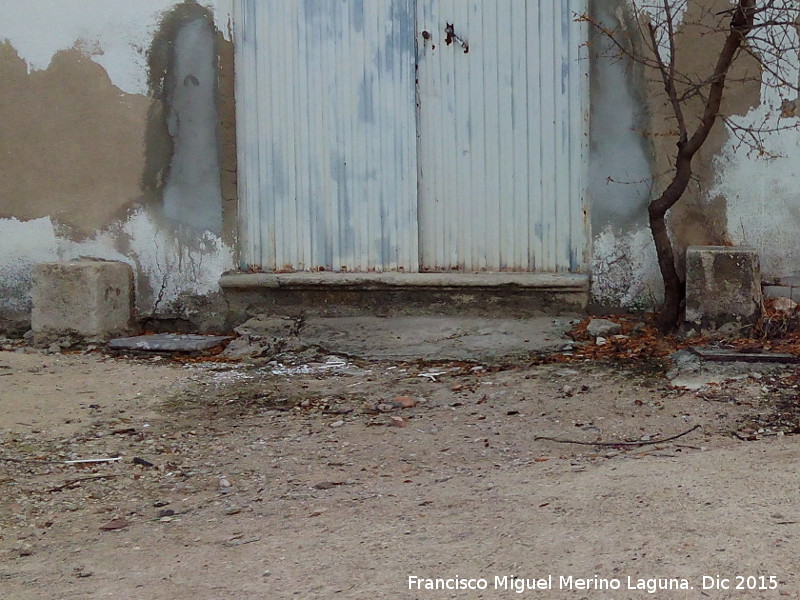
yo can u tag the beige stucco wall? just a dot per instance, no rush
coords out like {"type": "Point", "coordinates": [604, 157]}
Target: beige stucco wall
{"type": "Point", "coordinates": [101, 108]}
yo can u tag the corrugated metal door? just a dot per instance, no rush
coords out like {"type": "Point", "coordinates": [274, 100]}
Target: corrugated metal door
{"type": "Point", "coordinates": [501, 129]}
{"type": "Point", "coordinates": [368, 142]}
{"type": "Point", "coordinates": [327, 134]}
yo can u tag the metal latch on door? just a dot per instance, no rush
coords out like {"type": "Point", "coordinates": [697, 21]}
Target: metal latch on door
{"type": "Point", "coordinates": [451, 36]}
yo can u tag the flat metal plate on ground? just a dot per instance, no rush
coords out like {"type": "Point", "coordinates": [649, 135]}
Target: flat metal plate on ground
{"type": "Point", "coordinates": [169, 342]}
{"type": "Point", "coordinates": [732, 355]}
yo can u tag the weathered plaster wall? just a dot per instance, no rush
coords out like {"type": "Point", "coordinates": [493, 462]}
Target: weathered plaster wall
{"type": "Point", "coordinates": [622, 160]}
{"type": "Point", "coordinates": [735, 198]}
{"type": "Point", "coordinates": [762, 192]}
{"type": "Point", "coordinates": [103, 157]}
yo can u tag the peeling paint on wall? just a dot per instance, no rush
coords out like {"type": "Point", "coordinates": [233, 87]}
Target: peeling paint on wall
{"type": "Point", "coordinates": [172, 264]}
{"type": "Point", "coordinates": [621, 167]}
{"type": "Point", "coordinates": [763, 191]}
{"type": "Point", "coordinates": [22, 245]}
{"type": "Point", "coordinates": [625, 269]}
{"type": "Point", "coordinates": [166, 267]}
{"type": "Point", "coordinates": [191, 194]}
{"type": "Point", "coordinates": [763, 196]}
{"type": "Point", "coordinates": [708, 213]}
{"type": "Point", "coordinates": [75, 105]}
{"type": "Point", "coordinates": [114, 33]}
{"type": "Point", "coordinates": [73, 142]}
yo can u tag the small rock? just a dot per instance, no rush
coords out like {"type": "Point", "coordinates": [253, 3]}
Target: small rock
{"type": "Point", "coordinates": [336, 424]}
{"type": "Point", "coordinates": [601, 341]}
{"type": "Point", "coordinates": [784, 305]}
{"type": "Point", "coordinates": [165, 513]}
{"type": "Point", "coordinates": [404, 402]}
{"type": "Point", "coordinates": [398, 422]}
{"type": "Point", "coordinates": [384, 408]}
{"type": "Point", "coordinates": [54, 348]}
{"type": "Point", "coordinates": [456, 387]}
{"type": "Point", "coordinates": [233, 510]}
{"type": "Point", "coordinates": [568, 390]}
{"type": "Point", "coordinates": [114, 525]}
{"type": "Point", "coordinates": [24, 548]}
{"type": "Point", "coordinates": [224, 483]}
{"type": "Point", "coordinates": [602, 328]}
{"type": "Point", "coordinates": [325, 485]}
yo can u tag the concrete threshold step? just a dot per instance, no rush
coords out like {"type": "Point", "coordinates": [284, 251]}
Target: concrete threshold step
{"type": "Point", "coordinates": [542, 281]}
{"type": "Point", "coordinates": [513, 294]}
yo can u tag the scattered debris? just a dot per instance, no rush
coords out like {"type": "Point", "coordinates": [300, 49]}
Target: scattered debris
{"type": "Point", "coordinates": [88, 461]}
{"type": "Point", "coordinates": [784, 305]}
{"type": "Point", "coordinates": [602, 328]}
{"type": "Point", "coordinates": [615, 444]}
{"type": "Point", "coordinates": [433, 376]}
{"type": "Point", "coordinates": [404, 402]}
{"type": "Point", "coordinates": [72, 482]}
{"type": "Point", "coordinates": [743, 355]}
{"type": "Point", "coordinates": [326, 485]}
{"type": "Point", "coordinates": [238, 541]}
{"type": "Point", "coordinates": [115, 525]}
{"type": "Point", "coordinates": [169, 342]}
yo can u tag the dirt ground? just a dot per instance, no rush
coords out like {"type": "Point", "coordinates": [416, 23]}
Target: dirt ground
{"type": "Point", "coordinates": [320, 480]}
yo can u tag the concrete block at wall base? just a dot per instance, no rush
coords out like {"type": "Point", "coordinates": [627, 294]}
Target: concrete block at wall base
{"type": "Point", "coordinates": [90, 298]}
{"type": "Point", "coordinates": [723, 286]}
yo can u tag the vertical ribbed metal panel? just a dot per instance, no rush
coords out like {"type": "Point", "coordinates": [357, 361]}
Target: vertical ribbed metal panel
{"type": "Point", "coordinates": [502, 136]}
{"type": "Point", "coordinates": [327, 134]}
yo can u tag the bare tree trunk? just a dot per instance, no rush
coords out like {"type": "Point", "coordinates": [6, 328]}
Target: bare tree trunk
{"type": "Point", "coordinates": [674, 286]}
{"type": "Point", "coordinates": [742, 24]}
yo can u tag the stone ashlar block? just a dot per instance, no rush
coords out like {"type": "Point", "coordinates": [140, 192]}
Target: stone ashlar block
{"type": "Point", "coordinates": [723, 286]}
{"type": "Point", "coordinates": [90, 298]}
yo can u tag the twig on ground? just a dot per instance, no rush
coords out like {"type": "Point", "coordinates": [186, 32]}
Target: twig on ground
{"type": "Point", "coordinates": [71, 482]}
{"type": "Point", "coordinates": [31, 460]}
{"type": "Point", "coordinates": [81, 461]}
{"type": "Point", "coordinates": [647, 443]}
{"type": "Point", "coordinates": [88, 461]}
